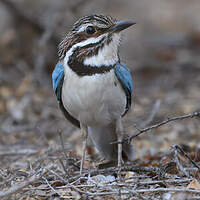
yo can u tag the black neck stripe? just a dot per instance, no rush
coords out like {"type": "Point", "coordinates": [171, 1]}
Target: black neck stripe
{"type": "Point", "coordinates": [87, 70]}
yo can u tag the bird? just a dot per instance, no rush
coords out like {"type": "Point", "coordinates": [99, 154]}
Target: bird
{"type": "Point", "coordinates": [93, 87]}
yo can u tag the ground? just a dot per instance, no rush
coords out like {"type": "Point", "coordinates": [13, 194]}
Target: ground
{"type": "Point", "coordinates": [40, 150]}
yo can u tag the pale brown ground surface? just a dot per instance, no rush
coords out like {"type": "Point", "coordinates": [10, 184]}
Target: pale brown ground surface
{"type": "Point", "coordinates": [162, 51]}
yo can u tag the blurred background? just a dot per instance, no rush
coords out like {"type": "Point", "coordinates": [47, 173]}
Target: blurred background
{"type": "Point", "coordinates": [162, 51]}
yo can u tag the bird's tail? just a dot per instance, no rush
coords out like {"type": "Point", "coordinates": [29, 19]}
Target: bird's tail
{"type": "Point", "coordinates": [103, 137]}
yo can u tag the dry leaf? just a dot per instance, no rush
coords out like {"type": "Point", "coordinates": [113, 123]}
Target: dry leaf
{"type": "Point", "coordinates": [129, 174]}
{"type": "Point", "coordinates": [194, 184]}
{"type": "Point", "coordinates": [170, 168]}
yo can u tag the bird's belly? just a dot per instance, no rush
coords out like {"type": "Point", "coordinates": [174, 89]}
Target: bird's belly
{"type": "Point", "coordinates": [97, 99]}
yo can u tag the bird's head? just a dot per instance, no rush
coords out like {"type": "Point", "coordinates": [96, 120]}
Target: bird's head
{"type": "Point", "coordinates": [92, 43]}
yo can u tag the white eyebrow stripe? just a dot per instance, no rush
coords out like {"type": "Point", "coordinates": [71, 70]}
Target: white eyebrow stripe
{"type": "Point", "coordinates": [83, 28]}
{"type": "Point", "coordinates": [81, 44]}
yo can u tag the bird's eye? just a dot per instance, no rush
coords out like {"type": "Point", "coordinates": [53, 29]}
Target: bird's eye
{"type": "Point", "coordinates": [90, 30]}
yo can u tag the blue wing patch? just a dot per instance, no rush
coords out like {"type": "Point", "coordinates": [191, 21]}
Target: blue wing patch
{"type": "Point", "coordinates": [57, 79]}
{"type": "Point", "coordinates": [124, 76]}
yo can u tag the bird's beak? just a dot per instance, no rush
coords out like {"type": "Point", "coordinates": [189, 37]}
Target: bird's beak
{"type": "Point", "coordinates": [121, 25]}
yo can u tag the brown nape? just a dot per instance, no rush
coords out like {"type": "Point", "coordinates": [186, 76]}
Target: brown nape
{"type": "Point", "coordinates": [70, 40]}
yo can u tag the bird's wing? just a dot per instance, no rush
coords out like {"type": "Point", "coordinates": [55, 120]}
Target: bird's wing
{"type": "Point", "coordinates": [124, 76]}
{"type": "Point", "coordinates": [57, 81]}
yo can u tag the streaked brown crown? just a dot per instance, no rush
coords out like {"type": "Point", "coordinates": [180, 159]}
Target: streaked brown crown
{"type": "Point", "coordinates": [99, 23]}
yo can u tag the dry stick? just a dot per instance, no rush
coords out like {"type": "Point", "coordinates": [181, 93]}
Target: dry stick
{"type": "Point", "coordinates": [62, 144]}
{"type": "Point", "coordinates": [69, 185]}
{"type": "Point", "coordinates": [130, 184]}
{"type": "Point", "coordinates": [190, 115]}
{"type": "Point", "coordinates": [176, 181]}
{"type": "Point", "coordinates": [179, 165]}
{"type": "Point", "coordinates": [168, 190]}
{"type": "Point", "coordinates": [149, 191]}
{"type": "Point", "coordinates": [51, 187]}
{"type": "Point", "coordinates": [185, 154]}
{"type": "Point", "coordinates": [150, 118]}
{"type": "Point", "coordinates": [65, 155]}
{"type": "Point", "coordinates": [18, 187]}
{"type": "Point", "coordinates": [63, 166]}
{"type": "Point", "coordinates": [137, 169]}
{"type": "Point", "coordinates": [133, 192]}
{"type": "Point", "coordinates": [63, 148]}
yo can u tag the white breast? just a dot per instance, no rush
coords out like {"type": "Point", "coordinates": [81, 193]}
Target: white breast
{"type": "Point", "coordinates": [97, 99]}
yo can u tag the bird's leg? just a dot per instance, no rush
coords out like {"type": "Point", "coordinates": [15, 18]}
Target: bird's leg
{"type": "Point", "coordinates": [84, 132]}
{"type": "Point", "coordinates": [119, 131]}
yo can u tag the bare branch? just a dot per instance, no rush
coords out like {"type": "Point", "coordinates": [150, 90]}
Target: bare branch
{"type": "Point", "coordinates": [51, 186]}
{"type": "Point", "coordinates": [179, 165]}
{"type": "Point", "coordinates": [185, 154]}
{"type": "Point", "coordinates": [190, 115]}
{"type": "Point", "coordinates": [109, 170]}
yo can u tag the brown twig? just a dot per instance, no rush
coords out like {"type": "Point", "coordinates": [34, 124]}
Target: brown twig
{"type": "Point", "coordinates": [179, 165]}
{"type": "Point", "coordinates": [109, 170]}
{"type": "Point", "coordinates": [190, 115]}
{"type": "Point", "coordinates": [62, 144]}
{"type": "Point", "coordinates": [185, 154]}
{"type": "Point", "coordinates": [65, 155]}
{"type": "Point", "coordinates": [168, 190]}
{"type": "Point", "coordinates": [150, 191]}
{"type": "Point", "coordinates": [47, 182]}
{"type": "Point", "coordinates": [15, 188]}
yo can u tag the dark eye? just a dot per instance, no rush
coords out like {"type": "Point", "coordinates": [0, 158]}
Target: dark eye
{"type": "Point", "coordinates": [90, 30]}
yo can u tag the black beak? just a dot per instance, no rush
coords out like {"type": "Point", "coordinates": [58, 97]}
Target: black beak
{"type": "Point", "coordinates": [121, 25]}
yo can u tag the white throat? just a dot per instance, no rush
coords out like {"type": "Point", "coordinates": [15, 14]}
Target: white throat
{"type": "Point", "coordinates": [108, 55]}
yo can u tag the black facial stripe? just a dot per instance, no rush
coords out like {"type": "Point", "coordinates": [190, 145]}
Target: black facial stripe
{"type": "Point", "coordinates": [109, 38]}
{"type": "Point", "coordinates": [99, 43]}
{"type": "Point", "coordinates": [93, 48]}
{"type": "Point", "coordinates": [76, 63]}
